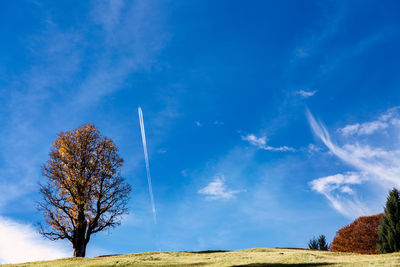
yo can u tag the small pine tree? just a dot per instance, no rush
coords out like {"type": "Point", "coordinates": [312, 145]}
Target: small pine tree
{"type": "Point", "coordinates": [322, 244]}
{"type": "Point", "coordinates": [313, 243]}
{"type": "Point", "coordinates": [389, 229]}
{"type": "Point", "coordinates": [318, 244]}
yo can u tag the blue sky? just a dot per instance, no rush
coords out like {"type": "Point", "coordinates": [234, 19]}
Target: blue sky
{"type": "Point", "coordinates": [267, 122]}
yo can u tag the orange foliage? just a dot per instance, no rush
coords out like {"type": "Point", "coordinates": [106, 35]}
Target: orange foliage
{"type": "Point", "coordinates": [361, 236]}
{"type": "Point", "coordinates": [84, 192]}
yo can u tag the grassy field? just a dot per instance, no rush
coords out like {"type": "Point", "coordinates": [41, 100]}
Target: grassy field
{"type": "Point", "coordinates": [250, 257]}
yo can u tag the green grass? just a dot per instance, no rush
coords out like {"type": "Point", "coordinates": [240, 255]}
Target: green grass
{"type": "Point", "coordinates": [249, 257]}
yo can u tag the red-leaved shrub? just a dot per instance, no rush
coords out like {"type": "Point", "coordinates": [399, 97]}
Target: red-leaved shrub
{"type": "Point", "coordinates": [361, 236]}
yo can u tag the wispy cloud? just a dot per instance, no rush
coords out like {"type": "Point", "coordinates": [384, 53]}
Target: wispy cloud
{"type": "Point", "coordinates": [330, 22]}
{"type": "Point", "coordinates": [313, 148]}
{"type": "Point", "coordinates": [131, 30]}
{"type": "Point", "coordinates": [375, 161]}
{"type": "Point", "coordinates": [389, 118]}
{"type": "Point", "coordinates": [261, 143]}
{"type": "Point", "coordinates": [217, 189]}
{"type": "Point", "coordinates": [316, 46]}
{"type": "Point", "coordinates": [255, 141]}
{"type": "Point", "coordinates": [20, 243]}
{"type": "Point", "coordinates": [108, 14]}
{"type": "Point", "coordinates": [306, 94]}
{"type": "Point", "coordinates": [337, 189]}
{"type": "Point", "coordinates": [378, 164]}
{"type": "Point", "coordinates": [338, 182]}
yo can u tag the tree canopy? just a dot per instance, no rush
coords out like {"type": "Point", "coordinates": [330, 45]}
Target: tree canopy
{"type": "Point", "coordinates": [83, 192]}
{"type": "Point", "coordinates": [361, 236]}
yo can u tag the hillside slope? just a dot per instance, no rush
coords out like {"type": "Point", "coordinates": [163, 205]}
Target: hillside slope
{"type": "Point", "coordinates": [250, 257]}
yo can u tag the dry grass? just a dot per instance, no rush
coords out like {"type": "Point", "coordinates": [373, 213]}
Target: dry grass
{"type": "Point", "coordinates": [250, 257]}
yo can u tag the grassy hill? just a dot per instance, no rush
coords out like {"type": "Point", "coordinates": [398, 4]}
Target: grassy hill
{"type": "Point", "coordinates": [249, 257]}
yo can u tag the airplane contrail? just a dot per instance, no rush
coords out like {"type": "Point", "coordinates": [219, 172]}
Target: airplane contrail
{"type": "Point", "coordinates": [146, 158]}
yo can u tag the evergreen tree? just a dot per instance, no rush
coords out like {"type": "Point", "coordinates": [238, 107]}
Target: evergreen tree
{"type": "Point", "coordinates": [313, 243]}
{"type": "Point", "coordinates": [318, 244]}
{"type": "Point", "coordinates": [322, 244]}
{"type": "Point", "coordinates": [389, 229]}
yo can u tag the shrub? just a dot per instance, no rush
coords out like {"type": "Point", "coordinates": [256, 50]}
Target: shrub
{"type": "Point", "coordinates": [361, 236]}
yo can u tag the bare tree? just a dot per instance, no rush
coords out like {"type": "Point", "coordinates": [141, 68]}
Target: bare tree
{"type": "Point", "coordinates": [83, 192]}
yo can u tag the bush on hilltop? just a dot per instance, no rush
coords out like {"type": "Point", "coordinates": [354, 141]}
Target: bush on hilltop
{"type": "Point", "coordinates": [361, 236]}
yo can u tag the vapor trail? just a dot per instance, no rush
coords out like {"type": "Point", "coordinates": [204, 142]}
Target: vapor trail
{"type": "Point", "coordinates": [146, 158]}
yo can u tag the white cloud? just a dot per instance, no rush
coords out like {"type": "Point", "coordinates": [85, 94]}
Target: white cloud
{"type": "Point", "coordinates": [349, 129]}
{"type": "Point", "coordinates": [261, 143]}
{"type": "Point", "coordinates": [313, 148]}
{"type": "Point", "coordinates": [364, 129]}
{"type": "Point", "coordinates": [380, 165]}
{"type": "Point", "coordinates": [198, 124]}
{"type": "Point", "coordinates": [336, 182]}
{"type": "Point", "coordinates": [21, 243]}
{"type": "Point", "coordinates": [375, 161]}
{"type": "Point", "coordinates": [255, 141]}
{"type": "Point", "coordinates": [389, 118]}
{"type": "Point", "coordinates": [218, 190]}
{"type": "Point", "coordinates": [336, 188]}
{"type": "Point", "coordinates": [349, 207]}
{"type": "Point", "coordinates": [371, 127]}
{"type": "Point", "coordinates": [395, 122]}
{"type": "Point", "coordinates": [306, 94]}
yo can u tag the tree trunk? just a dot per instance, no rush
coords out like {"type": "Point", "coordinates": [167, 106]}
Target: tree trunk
{"type": "Point", "coordinates": [80, 249]}
{"type": "Point", "coordinates": [79, 240]}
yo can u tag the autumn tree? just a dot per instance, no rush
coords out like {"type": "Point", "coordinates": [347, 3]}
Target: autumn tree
{"type": "Point", "coordinates": [361, 236]}
{"type": "Point", "coordinates": [83, 192]}
{"type": "Point", "coordinates": [389, 230]}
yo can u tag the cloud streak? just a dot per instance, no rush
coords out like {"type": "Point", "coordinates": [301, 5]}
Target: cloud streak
{"type": "Point", "coordinates": [146, 158]}
{"type": "Point", "coordinates": [306, 94]}
{"type": "Point", "coordinates": [261, 143]}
